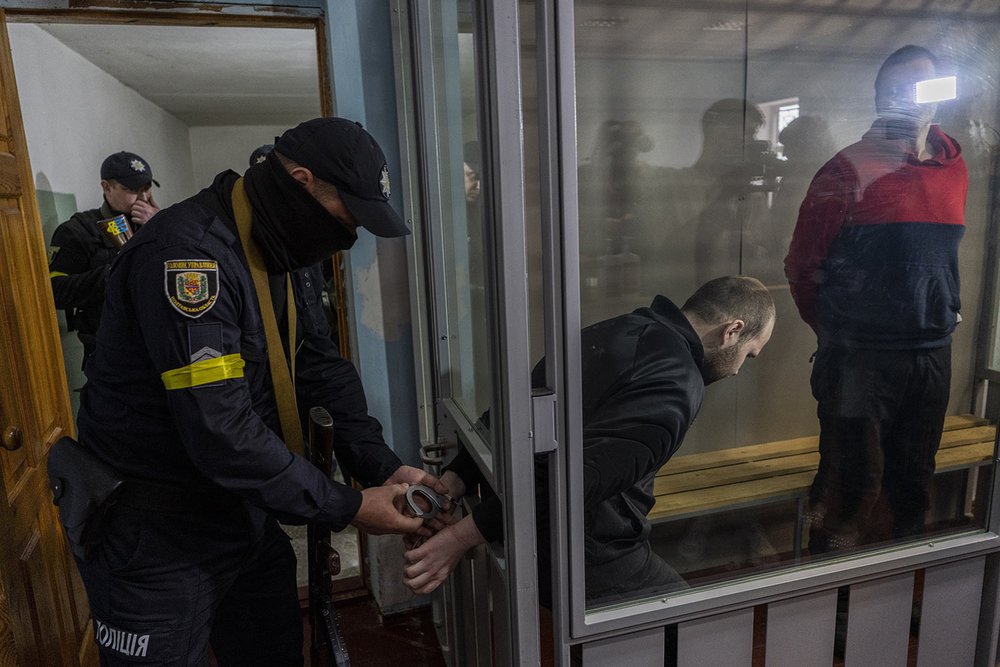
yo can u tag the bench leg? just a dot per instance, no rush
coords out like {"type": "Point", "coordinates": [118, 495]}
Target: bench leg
{"type": "Point", "coordinates": [800, 511]}
{"type": "Point", "coordinates": [971, 484]}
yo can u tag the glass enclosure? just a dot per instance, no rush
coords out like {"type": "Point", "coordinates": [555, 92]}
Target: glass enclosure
{"type": "Point", "coordinates": [668, 144]}
{"type": "Point", "coordinates": [702, 135]}
{"type": "Point", "coordinates": [663, 145]}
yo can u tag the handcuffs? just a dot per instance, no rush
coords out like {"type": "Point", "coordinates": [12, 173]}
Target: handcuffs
{"type": "Point", "coordinates": [435, 501]}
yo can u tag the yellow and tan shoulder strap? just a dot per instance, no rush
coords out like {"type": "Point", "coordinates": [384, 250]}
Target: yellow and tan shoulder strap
{"type": "Point", "coordinates": [282, 377]}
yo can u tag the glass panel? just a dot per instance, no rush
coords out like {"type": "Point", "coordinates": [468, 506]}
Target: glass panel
{"type": "Point", "coordinates": [459, 159]}
{"type": "Point", "coordinates": [994, 339]}
{"type": "Point", "coordinates": [703, 132]}
{"type": "Point", "coordinates": [532, 180]}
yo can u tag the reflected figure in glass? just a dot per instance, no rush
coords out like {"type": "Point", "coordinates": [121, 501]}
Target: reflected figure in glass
{"type": "Point", "coordinates": [617, 192]}
{"type": "Point", "coordinates": [643, 377]}
{"type": "Point", "coordinates": [806, 146]}
{"type": "Point", "coordinates": [873, 269]}
{"type": "Point", "coordinates": [716, 209]}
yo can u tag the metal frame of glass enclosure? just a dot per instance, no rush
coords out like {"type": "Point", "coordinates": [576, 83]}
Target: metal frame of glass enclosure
{"type": "Point", "coordinates": [522, 416]}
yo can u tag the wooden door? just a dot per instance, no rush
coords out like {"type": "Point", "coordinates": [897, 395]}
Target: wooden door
{"type": "Point", "coordinates": [44, 618]}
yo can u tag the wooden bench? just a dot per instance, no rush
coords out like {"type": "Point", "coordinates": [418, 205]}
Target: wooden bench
{"type": "Point", "coordinates": [697, 484]}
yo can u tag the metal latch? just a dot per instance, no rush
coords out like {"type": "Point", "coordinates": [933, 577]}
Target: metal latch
{"type": "Point", "coordinates": [543, 421]}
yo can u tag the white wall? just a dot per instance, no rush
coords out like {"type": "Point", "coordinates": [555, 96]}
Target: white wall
{"type": "Point", "coordinates": [217, 148]}
{"type": "Point", "coordinates": [76, 114]}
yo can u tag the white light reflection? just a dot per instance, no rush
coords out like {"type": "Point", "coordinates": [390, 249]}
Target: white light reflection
{"type": "Point", "coordinates": [935, 90]}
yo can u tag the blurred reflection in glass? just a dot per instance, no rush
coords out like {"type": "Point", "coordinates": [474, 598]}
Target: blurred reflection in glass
{"type": "Point", "coordinates": [471, 170]}
{"type": "Point", "coordinates": [873, 269]}
{"type": "Point", "coordinates": [717, 207]}
{"type": "Point", "coordinates": [807, 145]}
{"type": "Point", "coordinates": [615, 187]}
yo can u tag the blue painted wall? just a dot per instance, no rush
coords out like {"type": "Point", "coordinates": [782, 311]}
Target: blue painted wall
{"type": "Point", "coordinates": [360, 38]}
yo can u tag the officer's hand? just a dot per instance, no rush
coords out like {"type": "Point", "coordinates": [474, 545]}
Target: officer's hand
{"type": "Point", "coordinates": [411, 475]}
{"type": "Point", "coordinates": [381, 512]}
{"type": "Point", "coordinates": [429, 565]}
{"type": "Point", "coordinates": [142, 211]}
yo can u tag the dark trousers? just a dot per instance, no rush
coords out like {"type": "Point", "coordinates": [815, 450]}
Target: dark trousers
{"type": "Point", "coordinates": [639, 574]}
{"type": "Point", "coordinates": [881, 414]}
{"type": "Point", "coordinates": [164, 586]}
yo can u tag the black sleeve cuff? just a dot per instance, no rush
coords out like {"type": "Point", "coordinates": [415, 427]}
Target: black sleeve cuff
{"type": "Point", "coordinates": [465, 467]}
{"type": "Point", "coordinates": [488, 517]}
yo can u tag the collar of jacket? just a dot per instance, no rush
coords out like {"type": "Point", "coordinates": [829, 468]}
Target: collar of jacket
{"type": "Point", "coordinates": [666, 310]}
{"type": "Point", "coordinates": [943, 148]}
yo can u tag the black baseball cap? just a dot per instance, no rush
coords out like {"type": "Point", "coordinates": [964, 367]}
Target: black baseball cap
{"type": "Point", "coordinates": [128, 169]}
{"type": "Point", "coordinates": [260, 153]}
{"type": "Point", "coordinates": [342, 153]}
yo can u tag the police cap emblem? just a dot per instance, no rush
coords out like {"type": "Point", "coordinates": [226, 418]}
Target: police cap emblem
{"type": "Point", "coordinates": [192, 285]}
{"type": "Point", "coordinates": [383, 182]}
{"type": "Point", "coordinates": [137, 165]}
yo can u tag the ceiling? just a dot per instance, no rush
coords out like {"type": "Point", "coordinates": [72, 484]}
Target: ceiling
{"type": "Point", "coordinates": [208, 75]}
{"type": "Point", "coordinates": [805, 29]}
{"type": "Point", "coordinates": [261, 76]}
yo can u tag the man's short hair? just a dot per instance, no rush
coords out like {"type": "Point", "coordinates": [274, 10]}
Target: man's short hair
{"type": "Point", "coordinates": [733, 298]}
{"type": "Point", "coordinates": [902, 55]}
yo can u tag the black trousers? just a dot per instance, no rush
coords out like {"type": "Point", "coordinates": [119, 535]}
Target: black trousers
{"type": "Point", "coordinates": [640, 574]}
{"type": "Point", "coordinates": [163, 586]}
{"type": "Point", "coordinates": [881, 414]}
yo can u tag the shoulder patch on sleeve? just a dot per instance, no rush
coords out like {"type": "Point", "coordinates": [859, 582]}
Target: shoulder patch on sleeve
{"type": "Point", "coordinates": [192, 285]}
{"type": "Point", "coordinates": [53, 249]}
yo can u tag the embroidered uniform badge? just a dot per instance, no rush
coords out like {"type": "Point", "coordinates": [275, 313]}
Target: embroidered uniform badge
{"type": "Point", "coordinates": [192, 285]}
{"type": "Point", "coordinates": [137, 165]}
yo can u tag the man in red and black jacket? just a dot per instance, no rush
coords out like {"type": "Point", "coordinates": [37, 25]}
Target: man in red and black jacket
{"type": "Point", "coordinates": [873, 269]}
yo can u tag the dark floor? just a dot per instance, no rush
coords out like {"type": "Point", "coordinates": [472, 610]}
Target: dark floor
{"type": "Point", "coordinates": [406, 639]}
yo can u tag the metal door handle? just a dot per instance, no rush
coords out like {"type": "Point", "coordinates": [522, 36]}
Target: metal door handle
{"type": "Point", "coordinates": [13, 438]}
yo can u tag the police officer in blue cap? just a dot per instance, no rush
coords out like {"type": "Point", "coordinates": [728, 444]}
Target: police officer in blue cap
{"type": "Point", "coordinates": [213, 339]}
{"type": "Point", "coordinates": [82, 250]}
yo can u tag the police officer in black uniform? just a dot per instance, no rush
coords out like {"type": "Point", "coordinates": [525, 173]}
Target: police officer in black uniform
{"type": "Point", "coordinates": [82, 250]}
{"type": "Point", "coordinates": [184, 399]}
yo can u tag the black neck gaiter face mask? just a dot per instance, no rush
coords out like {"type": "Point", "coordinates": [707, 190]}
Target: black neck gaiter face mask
{"type": "Point", "coordinates": [292, 229]}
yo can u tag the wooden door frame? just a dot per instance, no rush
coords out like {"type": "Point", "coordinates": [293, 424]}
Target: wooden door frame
{"type": "Point", "coordinates": [231, 16]}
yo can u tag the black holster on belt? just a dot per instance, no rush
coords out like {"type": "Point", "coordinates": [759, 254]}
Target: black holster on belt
{"type": "Point", "coordinates": [84, 488]}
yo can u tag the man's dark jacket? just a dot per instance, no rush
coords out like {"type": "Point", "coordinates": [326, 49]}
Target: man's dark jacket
{"type": "Point", "coordinates": [78, 270]}
{"type": "Point", "coordinates": [642, 388]}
